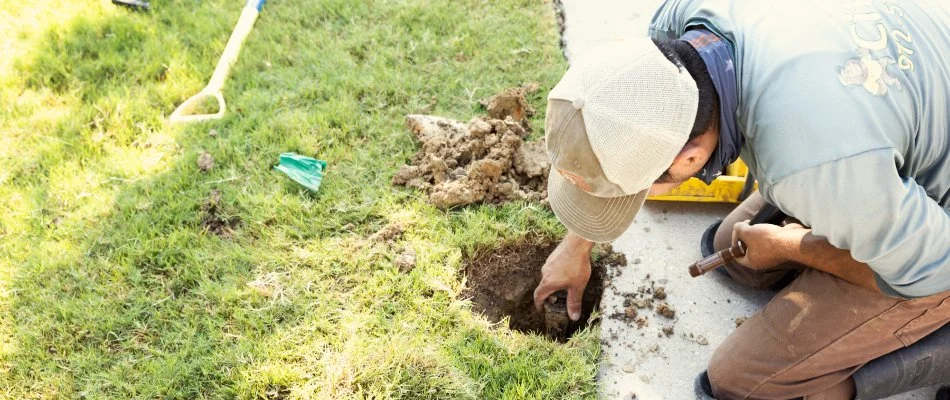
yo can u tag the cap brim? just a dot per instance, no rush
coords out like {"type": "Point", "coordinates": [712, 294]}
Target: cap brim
{"type": "Point", "coordinates": [598, 219]}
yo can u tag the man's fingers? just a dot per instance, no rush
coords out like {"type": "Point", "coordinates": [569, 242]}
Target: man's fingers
{"type": "Point", "coordinates": [541, 293]}
{"type": "Point", "coordinates": [737, 231]}
{"type": "Point", "coordinates": [575, 297]}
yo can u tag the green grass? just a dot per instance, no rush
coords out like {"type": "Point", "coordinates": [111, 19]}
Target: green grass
{"type": "Point", "coordinates": [110, 287]}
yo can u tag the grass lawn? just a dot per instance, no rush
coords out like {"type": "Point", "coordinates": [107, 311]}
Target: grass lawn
{"type": "Point", "coordinates": [111, 286]}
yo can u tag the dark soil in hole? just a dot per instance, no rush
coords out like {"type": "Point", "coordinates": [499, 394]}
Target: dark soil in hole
{"type": "Point", "coordinates": [501, 283]}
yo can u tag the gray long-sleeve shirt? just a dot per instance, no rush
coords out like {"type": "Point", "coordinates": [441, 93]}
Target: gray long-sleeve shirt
{"type": "Point", "coordinates": [845, 107]}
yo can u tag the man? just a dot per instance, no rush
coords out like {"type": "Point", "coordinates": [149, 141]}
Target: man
{"type": "Point", "coordinates": [840, 109]}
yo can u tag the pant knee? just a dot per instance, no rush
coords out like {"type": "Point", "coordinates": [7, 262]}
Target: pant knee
{"type": "Point", "coordinates": [726, 375]}
{"type": "Point", "coordinates": [723, 237]}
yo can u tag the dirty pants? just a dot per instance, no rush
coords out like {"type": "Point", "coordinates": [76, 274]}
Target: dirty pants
{"type": "Point", "coordinates": [815, 332]}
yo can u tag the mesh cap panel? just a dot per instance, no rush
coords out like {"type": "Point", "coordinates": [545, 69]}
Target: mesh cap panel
{"type": "Point", "coordinates": [638, 109]}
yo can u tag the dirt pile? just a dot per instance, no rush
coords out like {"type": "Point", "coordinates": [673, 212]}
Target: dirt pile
{"type": "Point", "coordinates": [485, 160]}
{"type": "Point", "coordinates": [501, 284]}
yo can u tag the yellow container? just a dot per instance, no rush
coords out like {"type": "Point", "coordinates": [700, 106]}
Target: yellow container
{"type": "Point", "coordinates": [725, 189]}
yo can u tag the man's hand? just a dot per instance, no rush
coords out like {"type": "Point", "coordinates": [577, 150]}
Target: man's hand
{"type": "Point", "coordinates": [767, 245]}
{"type": "Point", "coordinates": [568, 267]}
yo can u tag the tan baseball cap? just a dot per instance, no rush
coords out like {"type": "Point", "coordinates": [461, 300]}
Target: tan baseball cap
{"type": "Point", "coordinates": [614, 124]}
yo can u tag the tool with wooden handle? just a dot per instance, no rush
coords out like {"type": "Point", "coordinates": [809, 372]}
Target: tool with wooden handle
{"type": "Point", "coordinates": [768, 214]}
{"type": "Point", "coordinates": [184, 112]}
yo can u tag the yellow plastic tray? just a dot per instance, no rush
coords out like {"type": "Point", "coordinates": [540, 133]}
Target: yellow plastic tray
{"type": "Point", "coordinates": [725, 189]}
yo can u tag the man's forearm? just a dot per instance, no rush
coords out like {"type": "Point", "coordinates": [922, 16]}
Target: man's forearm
{"type": "Point", "coordinates": [815, 252]}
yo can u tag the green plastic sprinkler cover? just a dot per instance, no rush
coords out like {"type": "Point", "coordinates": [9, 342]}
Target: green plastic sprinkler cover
{"type": "Point", "coordinates": [306, 171]}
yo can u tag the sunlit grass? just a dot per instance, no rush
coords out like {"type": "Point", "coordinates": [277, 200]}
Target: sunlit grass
{"type": "Point", "coordinates": [111, 286]}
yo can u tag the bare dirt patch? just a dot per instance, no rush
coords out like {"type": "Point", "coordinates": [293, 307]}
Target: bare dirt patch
{"type": "Point", "coordinates": [501, 284]}
{"type": "Point", "coordinates": [484, 161]}
{"type": "Point", "coordinates": [214, 220]}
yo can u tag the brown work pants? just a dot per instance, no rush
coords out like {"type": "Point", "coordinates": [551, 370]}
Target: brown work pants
{"type": "Point", "coordinates": [815, 332]}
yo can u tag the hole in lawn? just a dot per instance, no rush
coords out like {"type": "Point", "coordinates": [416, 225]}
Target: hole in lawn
{"type": "Point", "coordinates": [501, 284]}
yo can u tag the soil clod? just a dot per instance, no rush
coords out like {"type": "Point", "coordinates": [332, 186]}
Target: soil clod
{"type": "Point", "coordinates": [501, 284]}
{"type": "Point", "coordinates": [631, 312]}
{"type": "Point", "coordinates": [642, 322]}
{"type": "Point", "coordinates": [511, 103]}
{"type": "Point", "coordinates": [406, 261]}
{"type": "Point", "coordinates": [668, 330]}
{"type": "Point", "coordinates": [698, 339]}
{"type": "Point", "coordinates": [205, 162]}
{"type": "Point", "coordinates": [666, 310]}
{"type": "Point", "coordinates": [389, 233]}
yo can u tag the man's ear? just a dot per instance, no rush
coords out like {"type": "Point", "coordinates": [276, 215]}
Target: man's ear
{"type": "Point", "coordinates": [690, 157]}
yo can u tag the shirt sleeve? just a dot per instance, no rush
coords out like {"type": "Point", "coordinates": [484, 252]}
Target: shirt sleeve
{"type": "Point", "coordinates": [860, 203]}
{"type": "Point", "coordinates": [667, 22]}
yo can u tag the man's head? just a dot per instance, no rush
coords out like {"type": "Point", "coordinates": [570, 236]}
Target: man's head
{"type": "Point", "coordinates": [628, 119]}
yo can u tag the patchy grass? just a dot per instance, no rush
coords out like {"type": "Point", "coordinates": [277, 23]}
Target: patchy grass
{"type": "Point", "coordinates": [112, 283]}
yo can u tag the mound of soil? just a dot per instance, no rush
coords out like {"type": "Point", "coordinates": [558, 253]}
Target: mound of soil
{"type": "Point", "coordinates": [501, 284]}
{"type": "Point", "coordinates": [483, 161]}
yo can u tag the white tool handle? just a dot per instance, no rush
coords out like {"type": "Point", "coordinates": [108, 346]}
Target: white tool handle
{"type": "Point", "coordinates": [221, 71]}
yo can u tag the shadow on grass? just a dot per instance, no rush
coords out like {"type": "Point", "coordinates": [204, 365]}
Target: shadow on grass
{"type": "Point", "coordinates": [121, 291]}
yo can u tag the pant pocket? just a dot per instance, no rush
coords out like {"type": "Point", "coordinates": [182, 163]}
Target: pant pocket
{"type": "Point", "coordinates": [931, 320]}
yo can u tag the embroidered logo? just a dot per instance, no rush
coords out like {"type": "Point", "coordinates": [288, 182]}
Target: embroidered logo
{"type": "Point", "coordinates": [576, 180]}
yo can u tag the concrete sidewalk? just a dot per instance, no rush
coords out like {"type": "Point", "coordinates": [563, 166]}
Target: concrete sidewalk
{"type": "Point", "coordinates": [642, 362]}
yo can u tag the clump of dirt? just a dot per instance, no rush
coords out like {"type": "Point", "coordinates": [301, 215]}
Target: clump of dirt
{"type": "Point", "coordinates": [406, 261]}
{"type": "Point", "coordinates": [698, 339]}
{"type": "Point", "coordinates": [668, 330]}
{"type": "Point", "coordinates": [666, 310]}
{"type": "Point", "coordinates": [641, 322]}
{"type": "Point", "coordinates": [659, 293]}
{"type": "Point", "coordinates": [214, 220]}
{"type": "Point", "coordinates": [501, 284]}
{"type": "Point", "coordinates": [641, 303]}
{"type": "Point", "coordinates": [205, 162]}
{"type": "Point", "coordinates": [484, 161]}
{"type": "Point", "coordinates": [631, 312]}
{"type": "Point", "coordinates": [389, 233]}
{"type": "Point", "coordinates": [610, 257]}
{"type": "Point", "coordinates": [511, 103]}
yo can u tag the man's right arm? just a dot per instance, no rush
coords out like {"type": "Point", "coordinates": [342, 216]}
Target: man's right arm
{"type": "Point", "coordinates": [860, 203]}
